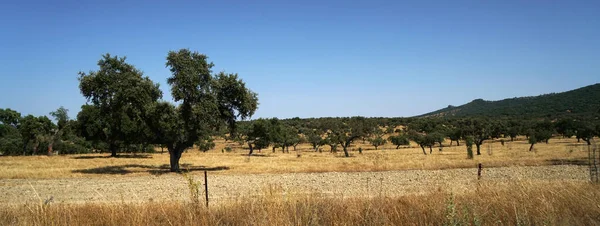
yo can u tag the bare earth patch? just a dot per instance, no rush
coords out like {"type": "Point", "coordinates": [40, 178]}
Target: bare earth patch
{"type": "Point", "coordinates": [173, 187]}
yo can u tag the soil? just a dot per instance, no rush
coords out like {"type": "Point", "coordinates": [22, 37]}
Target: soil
{"type": "Point", "coordinates": [174, 187]}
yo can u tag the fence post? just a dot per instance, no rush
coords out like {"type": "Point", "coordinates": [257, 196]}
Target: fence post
{"type": "Point", "coordinates": [206, 187]}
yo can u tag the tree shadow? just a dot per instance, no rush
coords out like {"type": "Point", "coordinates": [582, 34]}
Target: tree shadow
{"type": "Point", "coordinates": [154, 170]}
{"type": "Point", "coordinates": [257, 155]}
{"type": "Point", "coordinates": [577, 162]}
{"type": "Point", "coordinates": [134, 156]}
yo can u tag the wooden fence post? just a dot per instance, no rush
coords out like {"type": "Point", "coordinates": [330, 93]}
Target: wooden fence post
{"type": "Point", "coordinates": [206, 187]}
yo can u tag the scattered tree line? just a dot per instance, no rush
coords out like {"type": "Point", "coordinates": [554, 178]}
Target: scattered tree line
{"type": "Point", "coordinates": [125, 113]}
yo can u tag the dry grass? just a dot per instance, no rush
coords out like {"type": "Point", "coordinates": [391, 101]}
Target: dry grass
{"type": "Point", "coordinates": [559, 151]}
{"type": "Point", "coordinates": [522, 203]}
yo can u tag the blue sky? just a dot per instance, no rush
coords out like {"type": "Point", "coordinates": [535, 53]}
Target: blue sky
{"type": "Point", "coordinates": [309, 58]}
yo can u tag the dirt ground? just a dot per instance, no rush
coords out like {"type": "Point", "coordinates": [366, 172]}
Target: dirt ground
{"type": "Point", "coordinates": [173, 187]}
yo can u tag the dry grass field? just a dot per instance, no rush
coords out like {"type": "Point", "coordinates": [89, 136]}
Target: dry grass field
{"type": "Point", "coordinates": [493, 154]}
{"type": "Point", "coordinates": [548, 186]}
{"type": "Point", "coordinates": [522, 203]}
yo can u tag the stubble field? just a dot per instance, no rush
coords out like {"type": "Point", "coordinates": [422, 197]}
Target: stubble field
{"type": "Point", "coordinates": [306, 187]}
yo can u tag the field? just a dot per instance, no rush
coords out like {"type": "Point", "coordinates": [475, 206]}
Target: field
{"type": "Point", "coordinates": [549, 185]}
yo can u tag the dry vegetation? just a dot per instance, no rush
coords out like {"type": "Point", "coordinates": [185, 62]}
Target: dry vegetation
{"type": "Point", "coordinates": [519, 203]}
{"type": "Point", "coordinates": [487, 202]}
{"type": "Point", "coordinates": [558, 151]}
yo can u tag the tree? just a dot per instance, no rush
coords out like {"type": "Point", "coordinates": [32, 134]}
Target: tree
{"type": "Point", "coordinates": [437, 137]}
{"type": "Point", "coordinates": [121, 95]}
{"type": "Point", "coordinates": [10, 137]}
{"type": "Point", "coordinates": [62, 120]}
{"type": "Point", "coordinates": [92, 126]}
{"type": "Point", "coordinates": [585, 130]}
{"type": "Point", "coordinates": [206, 102]}
{"type": "Point", "coordinates": [422, 140]}
{"type": "Point", "coordinates": [258, 135]}
{"type": "Point", "coordinates": [34, 129]}
{"type": "Point", "coordinates": [469, 142]}
{"type": "Point", "coordinates": [541, 132]}
{"type": "Point", "coordinates": [566, 127]}
{"type": "Point", "coordinates": [479, 129]}
{"type": "Point", "coordinates": [346, 132]}
{"type": "Point", "coordinates": [399, 140]}
{"type": "Point", "coordinates": [454, 134]}
{"type": "Point", "coordinates": [287, 137]}
{"type": "Point", "coordinates": [513, 129]}
{"type": "Point", "coordinates": [314, 138]}
{"type": "Point", "coordinates": [9, 117]}
{"type": "Point", "coordinates": [377, 140]}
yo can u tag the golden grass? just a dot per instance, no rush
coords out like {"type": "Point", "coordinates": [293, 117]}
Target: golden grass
{"type": "Point", "coordinates": [559, 151]}
{"type": "Point", "coordinates": [518, 203]}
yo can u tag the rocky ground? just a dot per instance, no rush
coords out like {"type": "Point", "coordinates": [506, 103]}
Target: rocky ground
{"type": "Point", "coordinates": [227, 187]}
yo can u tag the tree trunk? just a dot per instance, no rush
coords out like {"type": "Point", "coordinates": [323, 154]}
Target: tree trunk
{"type": "Point", "coordinates": [50, 148]}
{"type": "Point", "coordinates": [346, 151]}
{"type": "Point", "coordinates": [457, 143]}
{"type": "Point", "coordinates": [375, 147]}
{"type": "Point", "coordinates": [162, 149]}
{"type": "Point", "coordinates": [250, 146]}
{"type": "Point", "coordinates": [441, 146]}
{"type": "Point", "coordinates": [397, 146]}
{"type": "Point", "coordinates": [430, 150]}
{"type": "Point", "coordinates": [25, 148]}
{"type": "Point", "coordinates": [512, 139]}
{"type": "Point", "coordinates": [35, 147]}
{"type": "Point", "coordinates": [478, 148]}
{"type": "Point", "coordinates": [423, 147]}
{"type": "Point", "coordinates": [531, 147]}
{"type": "Point", "coordinates": [174, 156]}
{"type": "Point", "coordinates": [451, 143]}
{"type": "Point", "coordinates": [113, 150]}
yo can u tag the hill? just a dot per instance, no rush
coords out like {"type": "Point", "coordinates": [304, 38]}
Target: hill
{"type": "Point", "coordinates": [582, 101]}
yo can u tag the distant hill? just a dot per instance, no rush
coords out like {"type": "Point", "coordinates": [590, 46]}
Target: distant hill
{"type": "Point", "coordinates": [582, 101]}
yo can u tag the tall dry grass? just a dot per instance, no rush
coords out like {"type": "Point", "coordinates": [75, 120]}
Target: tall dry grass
{"type": "Point", "coordinates": [519, 203]}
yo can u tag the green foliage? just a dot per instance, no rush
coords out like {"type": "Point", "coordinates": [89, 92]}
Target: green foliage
{"type": "Point", "coordinates": [541, 132]}
{"type": "Point", "coordinates": [378, 141]}
{"type": "Point", "coordinates": [399, 140]}
{"type": "Point", "coordinates": [257, 135]}
{"type": "Point", "coordinates": [345, 132]}
{"type": "Point", "coordinates": [206, 102]}
{"type": "Point", "coordinates": [120, 97]}
{"type": "Point", "coordinates": [469, 141]}
{"type": "Point", "coordinates": [205, 145]}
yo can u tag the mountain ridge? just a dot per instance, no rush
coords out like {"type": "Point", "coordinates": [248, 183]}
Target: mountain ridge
{"type": "Point", "coordinates": [581, 101]}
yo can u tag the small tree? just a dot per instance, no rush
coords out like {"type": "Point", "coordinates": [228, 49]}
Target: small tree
{"type": "Point", "coordinates": [399, 140]}
{"type": "Point", "coordinates": [378, 141]}
{"type": "Point", "coordinates": [62, 119]}
{"type": "Point", "coordinates": [422, 140]}
{"type": "Point", "coordinates": [469, 141]}
{"type": "Point", "coordinates": [315, 139]}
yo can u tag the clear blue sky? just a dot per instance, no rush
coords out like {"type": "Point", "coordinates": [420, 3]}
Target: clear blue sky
{"type": "Point", "coordinates": [309, 58]}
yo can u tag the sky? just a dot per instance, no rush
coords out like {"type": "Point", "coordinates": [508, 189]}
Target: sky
{"type": "Point", "coordinates": [309, 58]}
